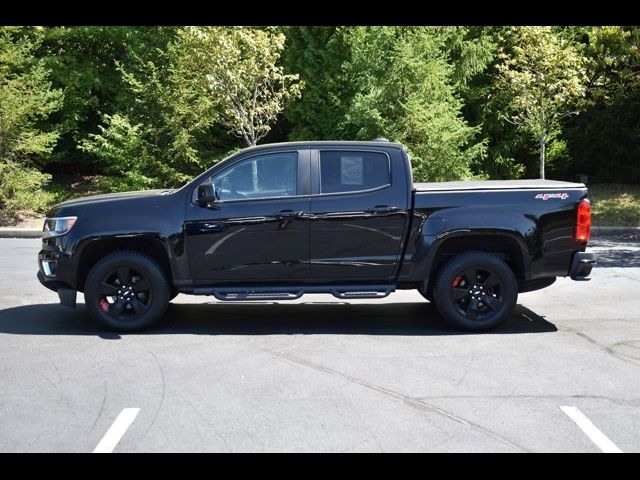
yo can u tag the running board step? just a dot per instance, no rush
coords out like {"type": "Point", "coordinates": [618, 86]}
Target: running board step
{"type": "Point", "coordinates": [344, 292]}
{"type": "Point", "coordinates": [361, 293]}
{"type": "Point", "coordinates": [237, 295]}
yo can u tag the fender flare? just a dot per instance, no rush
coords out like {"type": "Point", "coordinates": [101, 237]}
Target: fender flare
{"type": "Point", "coordinates": [429, 247]}
{"type": "Point", "coordinates": [87, 249]}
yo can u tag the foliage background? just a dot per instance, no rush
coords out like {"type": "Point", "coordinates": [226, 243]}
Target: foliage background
{"type": "Point", "coordinates": [139, 107]}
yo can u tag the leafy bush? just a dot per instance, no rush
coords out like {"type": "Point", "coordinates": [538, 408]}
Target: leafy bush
{"type": "Point", "coordinates": [22, 188]}
{"type": "Point", "coordinates": [125, 153]}
{"type": "Point", "coordinates": [130, 182]}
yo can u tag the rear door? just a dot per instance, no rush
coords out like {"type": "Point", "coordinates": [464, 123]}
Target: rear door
{"type": "Point", "coordinates": [359, 213]}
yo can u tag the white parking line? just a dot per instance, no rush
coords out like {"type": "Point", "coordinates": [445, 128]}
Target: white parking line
{"type": "Point", "coordinates": [590, 430]}
{"type": "Point", "coordinates": [117, 430]}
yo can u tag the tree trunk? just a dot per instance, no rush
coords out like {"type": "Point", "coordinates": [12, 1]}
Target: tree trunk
{"type": "Point", "coordinates": [543, 146]}
{"type": "Point", "coordinates": [254, 174]}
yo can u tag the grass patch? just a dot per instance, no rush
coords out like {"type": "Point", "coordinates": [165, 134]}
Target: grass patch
{"type": "Point", "coordinates": [615, 204]}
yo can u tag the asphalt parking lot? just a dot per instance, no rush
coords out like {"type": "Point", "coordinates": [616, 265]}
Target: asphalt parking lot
{"type": "Point", "coordinates": [320, 374]}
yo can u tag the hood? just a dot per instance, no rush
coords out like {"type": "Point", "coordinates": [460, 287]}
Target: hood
{"type": "Point", "coordinates": [107, 198]}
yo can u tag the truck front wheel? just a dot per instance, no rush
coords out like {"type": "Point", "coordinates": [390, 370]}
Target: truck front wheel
{"type": "Point", "coordinates": [475, 291]}
{"type": "Point", "coordinates": [126, 291]}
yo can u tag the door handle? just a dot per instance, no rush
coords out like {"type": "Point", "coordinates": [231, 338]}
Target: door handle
{"type": "Point", "coordinates": [199, 228]}
{"type": "Point", "coordinates": [288, 214]}
{"type": "Point", "coordinates": [380, 209]}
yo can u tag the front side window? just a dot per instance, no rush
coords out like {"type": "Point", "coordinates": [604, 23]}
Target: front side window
{"type": "Point", "coordinates": [263, 176]}
{"type": "Point", "coordinates": [353, 171]}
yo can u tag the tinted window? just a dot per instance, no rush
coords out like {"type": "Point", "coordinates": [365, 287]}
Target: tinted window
{"type": "Point", "coordinates": [263, 176]}
{"type": "Point", "coordinates": [352, 171]}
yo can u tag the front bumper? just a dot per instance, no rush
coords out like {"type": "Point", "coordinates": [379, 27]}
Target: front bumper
{"type": "Point", "coordinates": [67, 296]}
{"type": "Point", "coordinates": [581, 265]}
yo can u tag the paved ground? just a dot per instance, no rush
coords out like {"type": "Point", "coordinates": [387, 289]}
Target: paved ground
{"type": "Point", "coordinates": [324, 375]}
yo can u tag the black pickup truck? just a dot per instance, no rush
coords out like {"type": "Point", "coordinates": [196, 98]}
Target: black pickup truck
{"type": "Point", "coordinates": [277, 221]}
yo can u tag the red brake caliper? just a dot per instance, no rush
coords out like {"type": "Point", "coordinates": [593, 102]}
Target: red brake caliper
{"type": "Point", "coordinates": [104, 305]}
{"type": "Point", "coordinates": [456, 281]}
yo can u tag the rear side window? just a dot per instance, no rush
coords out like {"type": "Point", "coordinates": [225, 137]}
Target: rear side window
{"type": "Point", "coordinates": [349, 171]}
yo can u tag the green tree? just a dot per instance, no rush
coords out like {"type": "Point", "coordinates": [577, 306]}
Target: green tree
{"type": "Point", "coordinates": [207, 85]}
{"type": "Point", "coordinates": [469, 50]}
{"type": "Point", "coordinates": [472, 53]}
{"type": "Point", "coordinates": [395, 82]}
{"type": "Point", "coordinates": [239, 68]}
{"type": "Point", "coordinates": [610, 126]}
{"type": "Point", "coordinates": [84, 61]}
{"type": "Point", "coordinates": [318, 55]}
{"type": "Point", "coordinates": [26, 97]}
{"type": "Point", "coordinates": [164, 133]}
{"type": "Point", "coordinates": [544, 78]}
{"type": "Point", "coordinates": [26, 102]}
{"type": "Point", "coordinates": [407, 95]}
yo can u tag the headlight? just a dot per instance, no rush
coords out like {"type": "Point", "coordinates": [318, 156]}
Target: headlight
{"type": "Point", "coordinates": [54, 227]}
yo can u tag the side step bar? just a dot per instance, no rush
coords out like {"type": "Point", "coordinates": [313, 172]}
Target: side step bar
{"type": "Point", "coordinates": [227, 294]}
{"type": "Point", "coordinates": [343, 292]}
{"type": "Point", "coordinates": [346, 294]}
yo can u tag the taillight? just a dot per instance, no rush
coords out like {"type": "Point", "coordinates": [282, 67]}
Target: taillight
{"type": "Point", "coordinates": [583, 221]}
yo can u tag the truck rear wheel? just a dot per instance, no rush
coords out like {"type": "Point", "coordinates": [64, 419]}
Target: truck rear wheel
{"type": "Point", "coordinates": [475, 291]}
{"type": "Point", "coordinates": [126, 291]}
{"type": "Point", "coordinates": [428, 295]}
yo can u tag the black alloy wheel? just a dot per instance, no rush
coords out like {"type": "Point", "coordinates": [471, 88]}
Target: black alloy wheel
{"type": "Point", "coordinates": [126, 291]}
{"type": "Point", "coordinates": [476, 291]}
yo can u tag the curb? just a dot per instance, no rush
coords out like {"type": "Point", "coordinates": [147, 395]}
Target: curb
{"type": "Point", "coordinates": [604, 231]}
{"type": "Point", "coordinates": [595, 232]}
{"type": "Point", "coordinates": [20, 232]}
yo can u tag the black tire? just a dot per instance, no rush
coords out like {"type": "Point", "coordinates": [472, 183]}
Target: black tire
{"type": "Point", "coordinates": [126, 291]}
{"type": "Point", "coordinates": [475, 291]}
{"type": "Point", "coordinates": [428, 295]}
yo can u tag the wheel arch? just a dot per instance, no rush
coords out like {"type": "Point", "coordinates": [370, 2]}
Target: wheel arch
{"type": "Point", "coordinates": [97, 248]}
{"type": "Point", "coordinates": [507, 245]}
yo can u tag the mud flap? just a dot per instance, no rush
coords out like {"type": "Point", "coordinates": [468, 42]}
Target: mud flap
{"type": "Point", "coordinates": [67, 297]}
{"type": "Point", "coordinates": [581, 265]}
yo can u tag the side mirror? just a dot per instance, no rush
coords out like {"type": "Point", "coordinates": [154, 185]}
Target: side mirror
{"type": "Point", "coordinates": [206, 194]}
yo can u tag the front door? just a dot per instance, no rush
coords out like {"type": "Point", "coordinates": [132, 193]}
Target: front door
{"type": "Point", "coordinates": [258, 230]}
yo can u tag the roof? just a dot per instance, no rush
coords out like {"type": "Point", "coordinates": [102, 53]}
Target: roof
{"type": "Point", "coordinates": [326, 143]}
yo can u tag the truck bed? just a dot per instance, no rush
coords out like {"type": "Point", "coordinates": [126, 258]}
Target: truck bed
{"type": "Point", "coordinates": [535, 184]}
